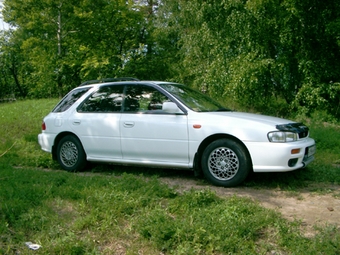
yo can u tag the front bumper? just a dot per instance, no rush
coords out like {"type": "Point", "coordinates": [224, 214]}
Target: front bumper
{"type": "Point", "coordinates": [278, 157]}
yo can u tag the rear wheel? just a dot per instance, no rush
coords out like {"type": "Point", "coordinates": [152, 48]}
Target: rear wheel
{"type": "Point", "coordinates": [225, 163]}
{"type": "Point", "coordinates": [70, 154]}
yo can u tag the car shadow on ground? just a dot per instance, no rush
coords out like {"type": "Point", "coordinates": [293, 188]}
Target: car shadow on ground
{"type": "Point", "coordinates": [284, 181]}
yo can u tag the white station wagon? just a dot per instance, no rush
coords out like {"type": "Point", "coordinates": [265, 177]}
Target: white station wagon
{"type": "Point", "coordinates": [164, 124]}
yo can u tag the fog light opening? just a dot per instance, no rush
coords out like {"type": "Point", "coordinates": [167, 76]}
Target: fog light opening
{"type": "Point", "coordinates": [292, 162]}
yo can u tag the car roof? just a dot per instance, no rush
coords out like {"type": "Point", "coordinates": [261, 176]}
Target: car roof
{"type": "Point", "coordinates": [106, 80]}
{"type": "Point", "coordinates": [123, 80]}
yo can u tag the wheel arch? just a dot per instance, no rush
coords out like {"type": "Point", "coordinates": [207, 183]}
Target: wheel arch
{"type": "Point", "coordinates": [210, 139]}
{"type": "Point", "coordinates": [57, 140]}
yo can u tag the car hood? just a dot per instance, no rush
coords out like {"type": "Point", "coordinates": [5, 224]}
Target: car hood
{"type": "Point", "coordinates": [245, 126]}
{"type": "Point", "coordinates": [252, 117]}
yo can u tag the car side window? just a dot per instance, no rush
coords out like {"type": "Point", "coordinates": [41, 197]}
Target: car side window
{"type": "Point", "coordinates": [70, 99]}
{"type": "Point", "coordinates": [106, 99]}
{"type": "Point", "coordinates": [142, 98]}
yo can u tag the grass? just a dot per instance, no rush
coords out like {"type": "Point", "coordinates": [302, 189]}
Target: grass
{"type": "Point", "coordinates": [129, 211]}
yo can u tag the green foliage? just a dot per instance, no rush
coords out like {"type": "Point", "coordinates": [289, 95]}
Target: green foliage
{"type": "Point", "coordinates": [63, 43]}
{"type": "Point", "coordinates": [13, 67]}
{"type": "Point", "coordinates": [324, 97]}
{"type": "Point", "coordinates": [256, 52]}
{"type": "Point", "coordinates": [246, 53]}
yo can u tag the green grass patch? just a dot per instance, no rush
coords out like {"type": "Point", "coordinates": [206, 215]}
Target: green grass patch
{"type": "Point", "coordinates": [100, 214]}
{"type": "Point", "coordinates": [126, 210]}
{"type": "Point", "coordinates": [20, 125]}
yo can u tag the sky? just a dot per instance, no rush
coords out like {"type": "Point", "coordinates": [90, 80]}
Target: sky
{"type": "Point", "coordinates": [3, 25]}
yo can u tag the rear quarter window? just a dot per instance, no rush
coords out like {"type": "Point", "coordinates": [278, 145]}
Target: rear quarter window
{"type": "Point", "coordinates": [70, 99]}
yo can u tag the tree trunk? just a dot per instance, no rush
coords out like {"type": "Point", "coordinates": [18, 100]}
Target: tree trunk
{"type": "Point", "coordinates": [59, 37]}
{"type": "Point", "coordinates": [17, 83]}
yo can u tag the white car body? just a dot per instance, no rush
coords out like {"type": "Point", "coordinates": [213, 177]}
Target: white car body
{"type": "Point", "coordinates": [173, 139]}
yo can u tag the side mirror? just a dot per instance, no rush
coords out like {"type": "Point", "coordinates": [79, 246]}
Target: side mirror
{"type": "Point", "coordinates": [171, 107]}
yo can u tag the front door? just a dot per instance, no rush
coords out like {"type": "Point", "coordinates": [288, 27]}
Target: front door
{"type": "Point", "coordinates": [149, 134]}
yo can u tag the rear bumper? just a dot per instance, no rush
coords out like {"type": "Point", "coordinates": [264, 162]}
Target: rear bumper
{"type": "Point", "coordinates": [278, 157]}
{"type": "Point", "coordinates": [46, 141]}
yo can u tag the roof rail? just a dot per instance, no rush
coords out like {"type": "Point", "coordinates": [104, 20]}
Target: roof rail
{"type": "Point", "coordinates": [89, 82]}
{"type": "Point", "coordinates": [120, 79]}
{"type": "Point", "coordinates": [109, 80]}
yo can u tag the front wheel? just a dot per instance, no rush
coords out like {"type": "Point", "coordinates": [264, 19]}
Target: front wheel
{"type": "Point", "coordinates": [225, 163]}
{"type": "Point", "coordinates": [70, 154]}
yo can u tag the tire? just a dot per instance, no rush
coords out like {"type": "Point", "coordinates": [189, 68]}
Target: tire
{"type": "Point", "coordinates": [225, 163]}
{"type": "Point", "coordinates": [70, 154]}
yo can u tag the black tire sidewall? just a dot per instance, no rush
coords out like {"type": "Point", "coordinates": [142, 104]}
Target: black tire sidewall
{"type": "Point", "coordinates": [81, 161]}
{"type": "Point", "coordinates": [243, 157]}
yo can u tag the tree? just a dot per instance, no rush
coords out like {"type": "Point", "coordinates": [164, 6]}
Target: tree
{"type": "Point", "coordinates": [11, 65]}
{"type": "Point", "coordinates": [259, 51]}
{"type": "Point", "coordinates": [253, 52]}
{"type": "Point", "coordinates": [68, 41]}
{"type": "Point", "coordinates": [39, 29]}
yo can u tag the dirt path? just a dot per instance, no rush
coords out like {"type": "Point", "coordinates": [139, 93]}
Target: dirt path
{"type": "Point", "coordinates": [308, 207]}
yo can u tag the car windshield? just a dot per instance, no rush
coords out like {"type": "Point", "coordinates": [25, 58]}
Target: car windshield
{"type": "Point", "coordinates": [193, 99]}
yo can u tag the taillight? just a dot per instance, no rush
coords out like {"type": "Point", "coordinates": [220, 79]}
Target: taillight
{"type": "Point", "coordinates": [43, 126]}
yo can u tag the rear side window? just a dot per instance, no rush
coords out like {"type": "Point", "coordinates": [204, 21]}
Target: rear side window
{"type": "Point", "coordinates": [108, 99]}
{"type": "Point", "coordinates": [70, 99]}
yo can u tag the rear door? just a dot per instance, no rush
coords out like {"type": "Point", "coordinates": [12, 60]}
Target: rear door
{"type": "Point", "coordinates": [96, 123]}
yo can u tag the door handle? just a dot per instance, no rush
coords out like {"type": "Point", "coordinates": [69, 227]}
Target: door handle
{"type": "Point", "coordinates": [76, 122]}
{"type": "Point", "coordinates": [129, 124]}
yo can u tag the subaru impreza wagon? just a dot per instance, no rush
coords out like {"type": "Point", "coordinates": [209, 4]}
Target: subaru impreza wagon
{"type": "Point", "coordinates": [165, 124]}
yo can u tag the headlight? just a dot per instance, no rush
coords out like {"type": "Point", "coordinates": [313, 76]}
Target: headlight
{"type": "Point", "coordinates": [282, 137]}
